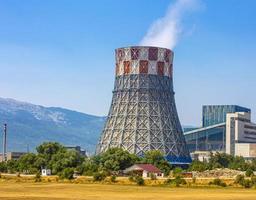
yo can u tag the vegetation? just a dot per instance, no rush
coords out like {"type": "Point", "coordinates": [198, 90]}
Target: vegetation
{"type": "Point", "coordinates": [113, 179]}
{"type": "Point", "coordinates": [67, 173]}
{"type": "Point", "coordinates": [222, 160]}
{"type": "Point", "coordinates": [38, 177]}
{"type": "Point", "coordinates": [249, 172]}
{"type": "Point", "coordinates": [64, 163]}
{"type": "Point", "coordinates": [156, 158]}
{"type": "Point", "coordinates": [140, 181]}
{"type": "Point", "coordinates": [218, 182]}
{"type": "Point", "coordinates": [99, 176]}
{"type": "Point", "coordinates": [177, 181]}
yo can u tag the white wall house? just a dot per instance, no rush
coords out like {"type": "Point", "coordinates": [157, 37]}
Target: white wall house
{"type": "Point", "coordinates": [145, 170]}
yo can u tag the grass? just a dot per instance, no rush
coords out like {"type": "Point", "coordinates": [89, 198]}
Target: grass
{"type": "Point", "coordinates": [68, 191]}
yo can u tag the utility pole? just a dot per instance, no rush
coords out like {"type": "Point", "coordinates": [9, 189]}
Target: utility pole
{"type": "Point", "coordinates": [4, 159]}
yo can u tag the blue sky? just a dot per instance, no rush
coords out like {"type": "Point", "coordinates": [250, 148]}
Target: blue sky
{"type": "Point", "coordinates": [61, 52]}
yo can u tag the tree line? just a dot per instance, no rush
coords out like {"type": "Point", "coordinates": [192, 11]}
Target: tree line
{"type": "Point", "coordinates": [65, 163]}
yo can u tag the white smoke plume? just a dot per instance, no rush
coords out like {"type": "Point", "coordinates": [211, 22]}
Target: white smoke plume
{"type": "Point", "coordinates": [165, 31]}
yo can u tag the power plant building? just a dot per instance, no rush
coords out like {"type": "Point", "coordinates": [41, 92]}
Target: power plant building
{"type": "Point", "coordinates": [143, 113]}
{"type": "Point", "coordinates": [226, 128]}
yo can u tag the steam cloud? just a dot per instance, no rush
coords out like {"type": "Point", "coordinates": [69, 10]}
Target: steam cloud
{"type": "Point", "coordinates": [165, 31]}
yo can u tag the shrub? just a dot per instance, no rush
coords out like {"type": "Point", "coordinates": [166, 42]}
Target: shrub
{"type": "Point", "coordinates": [99, 176]}
{"type": "Point", "coordinates": [67, 173]}
{"type": "Point", "coordinates": [168, 181]}
{"type": "Point", "coordinates": [194, 180]}
{"type": "Point", "coordinates": [152, 176]}
{"type": "Point", "coordinates": [38, 177]}
{"type": "Point", "coordinates": [239, 179]}
{"type": "Point", "coordinates": [253, 180]}
{"type": "Point", "coordinates": [113, 179]}
{"type": "Point", "coordinates": [140, 181]}
{"type": "Point", "coordinates": [247, 183]}
{"type": "Point", "coordinates": [131, 178]}
{"type": "Point", "coordinates": [177, 171]}
{"type": "Point", "coordinates": [249, 172]}
{"type": "Point", "coordinates": [218, 182]}
{"type": "Point", "coordinates": [179, 181]}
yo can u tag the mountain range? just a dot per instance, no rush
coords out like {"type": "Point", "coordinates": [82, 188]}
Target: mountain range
{"type": "Point", "coordinates": [29, 125]}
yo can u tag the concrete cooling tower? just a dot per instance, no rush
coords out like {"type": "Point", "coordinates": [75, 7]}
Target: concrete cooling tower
{"type": "Point", "coordinates": [143, 113]}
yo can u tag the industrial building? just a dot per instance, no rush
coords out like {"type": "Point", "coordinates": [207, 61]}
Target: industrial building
{"type": "Point", "coordinates": [143, 115]}
{"type": "Point", "coordinates": [78, 149]}
{"type": "Point", "coordinates": [226, 128]}
{"type": "Point", "coordinates": [11, 156]}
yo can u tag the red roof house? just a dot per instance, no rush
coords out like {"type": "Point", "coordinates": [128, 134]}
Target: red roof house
{"type": "Point", "coordinates": [144, 170]}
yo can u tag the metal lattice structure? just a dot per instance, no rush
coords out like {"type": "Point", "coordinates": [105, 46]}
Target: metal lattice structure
{"type": "Point", "coordinates": [143, 113]}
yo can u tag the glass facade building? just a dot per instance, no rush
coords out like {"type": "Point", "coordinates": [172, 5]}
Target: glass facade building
{"type": "Point", "coordinates": [210, 138]}
{"type": "Point", "coordinates": [216, 114]}
{"type": "Point", "coordinates": [212, 135]}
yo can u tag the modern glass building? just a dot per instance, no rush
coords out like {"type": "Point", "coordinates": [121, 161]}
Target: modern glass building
{"type": "Point", "coordinates": [212, 135]}
{"type": "Point", "coordinates": [216, 114]}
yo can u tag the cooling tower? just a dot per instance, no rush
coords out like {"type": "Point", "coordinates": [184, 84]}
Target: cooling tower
{"type": "Point", "coordinates": [143, 113]}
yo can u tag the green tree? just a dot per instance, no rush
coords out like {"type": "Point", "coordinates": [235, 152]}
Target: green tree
{"type": "Point", "coordinates": [116, 159]}
{"type": "Point", "coordinates": [220, 160]}
{"type": "Point", "coordinates": [67, 173]}
{"type": "Point", "coordinates": [249, 172]}
{"type": "Point", "coordinates": [88, 167]}
{"type": "Point", "coordinates": [177, 171]}
{"type": "Point", "coordinates": [3, 167]}
{"type": "Point", "coordinates": [47, 150]}
{"type": "Point", "coordinates": [12, 166]}
{"type": "Point", "coordinates": [197, 165]}
{"type": "Point", "coordinates": [156, 158]}
{"type": "Point", "coordinates": [27, 163]}
{"type": "Point", "coordinates": [65, 159]}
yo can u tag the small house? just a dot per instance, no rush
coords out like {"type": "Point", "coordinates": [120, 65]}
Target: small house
{"type": "Point", "coordinates": [46, 172]}
{"type": "Point", "coordinates": [144, 170]}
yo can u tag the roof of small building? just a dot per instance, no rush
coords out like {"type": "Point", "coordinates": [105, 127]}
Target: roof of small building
{"type": "Point", "coordinates": [143, 167]}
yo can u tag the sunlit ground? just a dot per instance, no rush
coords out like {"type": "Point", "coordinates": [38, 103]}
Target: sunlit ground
{"type": "Point", "coordinates": [67, 191]}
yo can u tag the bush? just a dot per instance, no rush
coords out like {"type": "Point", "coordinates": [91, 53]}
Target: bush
{"type": "Point", "coordinates": [218, 182]}
{"type": "Point", "coordinates": [239, 179]}
{"type": "Point", "coordinates": [132, 178]}
{"type": "Point", "coordinates": [194, 180]}
{"type": "Point", "coordinates": [99, 176]}
{"type": "Point", "coordinates": [168, 181]}
{"type": "Point", "coordinates": [253, 180]}
{"type": "Point", "coordinates": [249, 172]}
{"type": "Point", "coordinates": [247, 183]}
{"type": "Point", "coordinates": [113, 179]}
{"type": "Point", "coordinates": [177, 171]}
{"type": "Point", "coordinates": [179, 181]}
{"type": "Point", "coordinates": [67, 173]}
{"type": "Point", "coordinates": [140, 181]}
{"type": "Point", "coordinates": [152, 176]}
{"type": "Point", "coordinates": [38, 177]}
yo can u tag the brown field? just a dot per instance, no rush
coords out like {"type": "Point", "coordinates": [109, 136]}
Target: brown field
{"type": "Point", "coordinates": [68, 191]}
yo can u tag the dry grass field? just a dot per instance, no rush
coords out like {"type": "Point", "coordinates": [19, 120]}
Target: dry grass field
{"type": "Point", "coordinates": [67, 191]}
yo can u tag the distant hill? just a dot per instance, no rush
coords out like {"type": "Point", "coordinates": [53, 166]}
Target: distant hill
{"type": "Point", "coordinates": [30, 124]}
